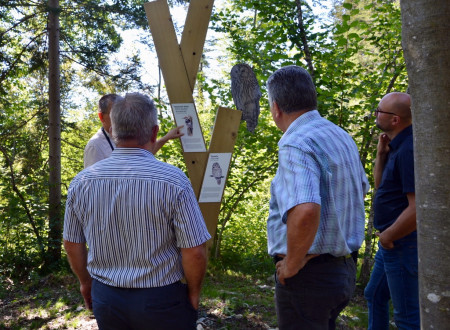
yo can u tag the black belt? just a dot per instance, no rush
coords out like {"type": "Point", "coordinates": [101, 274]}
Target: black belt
{"type": "Point", "coordinates": [321, 258]}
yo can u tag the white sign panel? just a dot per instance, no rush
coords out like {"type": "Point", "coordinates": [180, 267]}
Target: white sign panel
{"type": "Point", "coordinates": [192, 140]}
{"type": "Point", "coordinates": [215, 176]}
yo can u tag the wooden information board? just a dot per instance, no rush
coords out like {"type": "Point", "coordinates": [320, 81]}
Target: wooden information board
{"type": "Point", "coordinates": [179, 65]}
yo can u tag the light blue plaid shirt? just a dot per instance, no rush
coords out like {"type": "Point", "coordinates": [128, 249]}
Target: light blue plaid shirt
{"type": "Point", "coordinates": [319, 163]}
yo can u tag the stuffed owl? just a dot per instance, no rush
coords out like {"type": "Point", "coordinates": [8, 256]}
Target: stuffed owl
{"type": "Point", "coordinates": [246, 94]}
{"type": "Point", "coordinates": [217, 172]}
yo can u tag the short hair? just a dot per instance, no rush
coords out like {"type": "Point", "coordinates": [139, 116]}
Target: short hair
{"type": "Point", "coordinates": [292, 88]}
{"type": "Point", "coordinates": [105, 103]}
{"type": "Point", "coordinates": [133, 117]}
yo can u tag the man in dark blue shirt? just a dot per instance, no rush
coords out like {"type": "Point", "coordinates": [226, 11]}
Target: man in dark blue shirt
{"type": "Point", "coordinates": [394, 274]}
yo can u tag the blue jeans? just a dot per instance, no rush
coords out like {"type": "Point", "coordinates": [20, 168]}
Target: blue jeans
{"type": "Point", "coordinates": [395, 276]}
{"type": "Point", "coordinates": [166, 307]}
{"type": "Point", "coordinates": [313, 298]}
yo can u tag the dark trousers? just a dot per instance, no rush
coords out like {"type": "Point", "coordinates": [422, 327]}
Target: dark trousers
{"type": "Point", "coordinates": [165, 307]}
{"type": "Point", "coordinates": [314, 297]}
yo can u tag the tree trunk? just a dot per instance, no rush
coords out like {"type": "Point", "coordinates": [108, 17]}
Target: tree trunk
{"type": "Point", "coordinates": [54, 134]}
{"type": "Point", "coordinates": [301, 26]}
{"type": "Point", "coordinates": [367, 258]}
{"type": "Point", "coordinates": [426, 44]}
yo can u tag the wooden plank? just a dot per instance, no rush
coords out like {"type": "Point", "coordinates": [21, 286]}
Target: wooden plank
{"type": "Point", "coordinates": [210, 213]}
{"type": "Point", "coordinates": [179, 68]}
{"type": "Point", "coordinates": [168, 51]}
{"type": "Point", "coordinates": [194, 35]}
{"type": "Point", "coordinates": [196, 165]}
{"type": "Point", "coordinates": [174, 73]}
{"type": "Point", "coordinates": [225, 132]}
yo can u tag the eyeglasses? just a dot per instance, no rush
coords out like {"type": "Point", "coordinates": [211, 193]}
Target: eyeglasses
{"type": "Point", "coordinates": [377, 111]}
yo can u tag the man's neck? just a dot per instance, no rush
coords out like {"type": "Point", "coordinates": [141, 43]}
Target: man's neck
{"type": "Point", "coordinates": [134, 144]}
{"type": "Point", "coordinates": [106, 130]}
{"type": "Point", "coordinates": [391, 135]}
{"type": "Point", "coordinates": [291, 117]}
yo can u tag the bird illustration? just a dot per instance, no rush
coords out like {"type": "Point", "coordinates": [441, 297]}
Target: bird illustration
{"type": "Point", "coordinates": [246, 93]}
{"type": "Point", "coordinates": [189, 125]}
{"type": "Point", "coordinates": [217, 172]}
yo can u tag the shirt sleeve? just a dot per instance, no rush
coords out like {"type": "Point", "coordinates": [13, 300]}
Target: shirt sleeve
{"type": "Point", "coordinates": [190, 228]}
{"type": "Point", "coordinates": [365, 181]}
{"type": "Point", "coordinates": [73, 229]}
{"type": "Point", "coordinates": [299, 177]}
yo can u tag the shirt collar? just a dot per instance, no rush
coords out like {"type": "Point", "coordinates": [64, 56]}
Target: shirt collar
{"type": "Point", "coordinates": [300, 121]}
{"type": "Point", "coordinates": [120, 152]}
{"type": "Point", "coordinates": [398, 140]}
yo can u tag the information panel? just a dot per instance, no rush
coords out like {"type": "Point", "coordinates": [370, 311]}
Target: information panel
{"type": "Point", "coordinates": [215, 177]}
{"type": "Point", "coordinates": [192, 140]}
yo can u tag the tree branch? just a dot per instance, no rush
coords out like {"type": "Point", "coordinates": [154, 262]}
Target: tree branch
{"type": "Point", "coordinates": [24, 19]}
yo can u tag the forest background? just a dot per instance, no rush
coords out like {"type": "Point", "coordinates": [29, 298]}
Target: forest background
{"type": "Point", "coordinates": [353, 53]}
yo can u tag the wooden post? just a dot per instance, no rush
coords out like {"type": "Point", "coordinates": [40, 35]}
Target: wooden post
{"type": "Point", "coordinates": [175, 76]}
{"type": "Point", "coordinates": [223, 139]}
{"type": "Point", "coordinates": [194, 35]}
{"type": "Point", "coordinates": [179, 65]}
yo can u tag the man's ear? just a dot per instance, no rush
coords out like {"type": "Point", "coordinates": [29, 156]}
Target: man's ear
{"type": "Point", "coordinates": [277, 111]}
{"type": "Point", "coordinates": [396, 120]}
{"type": "Point", "coordinates": [154, 136]}
{"type": "Point", "coordinates": [100, 116]}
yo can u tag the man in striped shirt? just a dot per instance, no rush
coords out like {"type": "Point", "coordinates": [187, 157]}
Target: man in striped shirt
{"type": "Point", "coordinates": [144, 229]}
{"type": "Point", "coordinates": [316, 216]}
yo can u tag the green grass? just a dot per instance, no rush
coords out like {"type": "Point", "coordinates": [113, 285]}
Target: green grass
{"type": "Point", "coordinates": [237, 299]}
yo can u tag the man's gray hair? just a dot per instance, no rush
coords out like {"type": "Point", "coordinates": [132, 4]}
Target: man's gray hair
{"type": "Point", "coordinates": [292, 88]}
{"type": "Point", "coordinates": [133, 117]}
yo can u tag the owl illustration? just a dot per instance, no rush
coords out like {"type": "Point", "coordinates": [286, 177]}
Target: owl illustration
{"type": "Point", "coordinates": [217, 172]}
{"type": "Point", "coordinates": [246, 94]}
{"type": "Point", "coordinates": [189, 125]}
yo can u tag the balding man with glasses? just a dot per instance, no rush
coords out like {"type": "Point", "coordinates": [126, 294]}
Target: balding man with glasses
{"type": "Point", "coordinates": [394, 275]}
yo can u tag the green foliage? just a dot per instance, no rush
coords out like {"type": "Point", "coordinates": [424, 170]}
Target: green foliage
{"type": "Point", "coordinates": [245, 203]}
{"type": "Point", "coordinates": [89, 36]}
{"type": "Point", "coordinates": [356, 59]}
{"type": "Point", "coordinates": [22, 194]}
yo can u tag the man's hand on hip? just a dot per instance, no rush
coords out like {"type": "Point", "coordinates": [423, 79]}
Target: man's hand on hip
{"type": "Point", "coordinates": [284, 271]}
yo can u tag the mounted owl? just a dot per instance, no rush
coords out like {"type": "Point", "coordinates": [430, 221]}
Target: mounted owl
{"type": "Point", "coordinates": [246, 94]}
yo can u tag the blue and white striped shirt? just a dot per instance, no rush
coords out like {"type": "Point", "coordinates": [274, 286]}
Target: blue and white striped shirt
{"type": "Point", "coordinates": [319, 163]}
{"type": "Point", "coordinates": [135, 213]}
